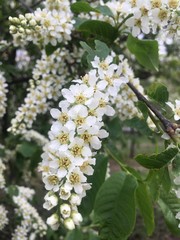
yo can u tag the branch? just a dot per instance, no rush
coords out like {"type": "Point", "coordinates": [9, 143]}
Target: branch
{"type": "Point", "coordinates": [168, 126]}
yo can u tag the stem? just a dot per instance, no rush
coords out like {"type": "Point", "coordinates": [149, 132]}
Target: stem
{"type": "Point", "coordinates": [123, 166]}
{"type": "Point", "coordinates": [124, 20]}
{"type": "Point", "coordinates": [168, 127]}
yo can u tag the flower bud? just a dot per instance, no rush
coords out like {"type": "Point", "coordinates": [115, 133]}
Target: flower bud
{"type": "Point", "coordinates": [69, 224]}
{"type": "Point", "coordinates": [53, 221]}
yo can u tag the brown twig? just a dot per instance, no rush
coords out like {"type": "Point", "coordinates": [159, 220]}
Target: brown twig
{"type": "Point", "coordinates": [168, 126]}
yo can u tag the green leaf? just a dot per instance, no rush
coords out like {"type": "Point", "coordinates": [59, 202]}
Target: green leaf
{"type": "Point", "coordinates": [105, 10]}
{"type": "Point", "coordinates": [100, 30]}
{"type": "Point", "coordinates": [164, 179]}
{"type": "Point", "coordinates": [2, 152]}
{"type": "Point", "coordinates": [176, 164]}
{"type": "Point", "coordinates": [146, 52]}
{"type": "Point", "coordinates": [146, 208]}
{"type": "Point", "coordinates": [140, 125]}
{"type": "Point", "coordinates": [12, 190]}
{"type": "Point", "coordinates": [82, 6]}
{"type": "Point", "coordinates": [143, 108]}
{"type": "Point", "coordinates": [156, 161]}
{"type": "Point", "coordinates": [170, 206]}
{"type": "Point", "coordinates": [101, 50]}
{"type": "Point", "coordinates": [75, 234]}
{"type": "Point", "coordinates": [154, 184]}
{"type": "Point", "coordinates": [27, 149]}
{"type": "Point", "coordinates": [115, 207]}
{"type": "Point", "coordinates": [97, 180]}
{"type": "Point", "coordinates": [93, 236]}
{"type": "Point", "coordinates": [50, 49]}
{"type": "Point", "coordinates": [158, 92]}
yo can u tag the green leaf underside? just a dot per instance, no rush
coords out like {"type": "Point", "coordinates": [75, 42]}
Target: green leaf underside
{"type": "Point", "coordinates": [156, 161]}
{"type": "Point", "coordinates": [158, 92]}
{"type": "Point", "coordinates": [101, 50]}
{"type": "Point", "coordinates": [106, 11]}
{"type": "Point", "coordinates": [145, 206]}
{"type": "Point", "coordinates": [146, 52]}
{"type": "Point", "coordinates": [115, 207]}
{"type": "Point", "coordinates": [82, 6]}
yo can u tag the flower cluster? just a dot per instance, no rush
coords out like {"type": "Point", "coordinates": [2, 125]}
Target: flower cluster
{"type": "Point", "coordinates": [75, 137]}
{"type": "Point", "coordinates": [143, 16]}
{"type": "Point", "coordinates": [45, 85]}
{"type": "Point", "coordinates": [3, 92]}
{"type": "Point", "coordinates": [3, 217]}
{"type": "Point", "coordinates": [22, 59]}
{"type": "Point", "coordinates": [52, 24]}
{"type": "Point", "coordinates": [31, 224]}
{"type": "Point", "coordinates": [2, 180]}
{"type": "Point", "coordinates": [151, 15]}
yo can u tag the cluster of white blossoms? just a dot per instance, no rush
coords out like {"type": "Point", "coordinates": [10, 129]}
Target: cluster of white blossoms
{"type": "Point", "coordinates": [22, 59]}
{"type": "Point", "coordinates": [75, 136]}
{"type": "Point", "coordinates": [2, 169]}
{"type": "Point", "coordinates": [3, 92]}
{"type": "Point", "coordinates": [145, 16]}
{"type": "Point", "coordinates": [31, 226]}
{"type": "Point", "coordinates": [46, 82]}
{"type": "Point", "coordinates": [3, 217]}
{"type": "Point", "coordinates": [152, 15]}
{"type": "Point", "coordinates": [52, 24]}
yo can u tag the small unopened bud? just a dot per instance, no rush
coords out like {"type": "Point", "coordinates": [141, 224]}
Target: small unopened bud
{"type": "Point", "coordinates": [69, 224]}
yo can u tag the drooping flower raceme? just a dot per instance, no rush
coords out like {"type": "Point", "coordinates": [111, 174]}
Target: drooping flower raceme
{"type": "Point", "coordinates": [3, 217]}
{"type": "Point", "coordinates": [45, 85]}
{"type": "Point", "coordinates": [52, 24]}
{"type": "Point", "coordinates": [31, 226]}
{"type": "Point", "coordinates": [75, 137]}
{"type": "Point", "coordinates": [22, 59]}
{"type": "Point", "coordinates": [3, 92]}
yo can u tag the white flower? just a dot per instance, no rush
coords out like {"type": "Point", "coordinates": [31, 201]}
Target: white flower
{"type": "Point", "coordinates": [176, 109]}
{"type": "Point", "coordinates": [51, 182]}
{"type": "Point", "coordinates": [51, 201]}
{"type": "Point", "coordinates": [79, 150]}
{"type": "Point", "coordinates": [75, 199]}
{"type": "Point", "coordinates": [65, 210]}
{"type": "Point", "coordinates": [3, 217]}
{"type": "Point", "coordinates": [64, 193]}
{"type": "Point", "coordinates": [75, 179]}
{"type": "Point", "coordinates": [62, 163]}
{"type": "Point", "coordinates": [53, 221]}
